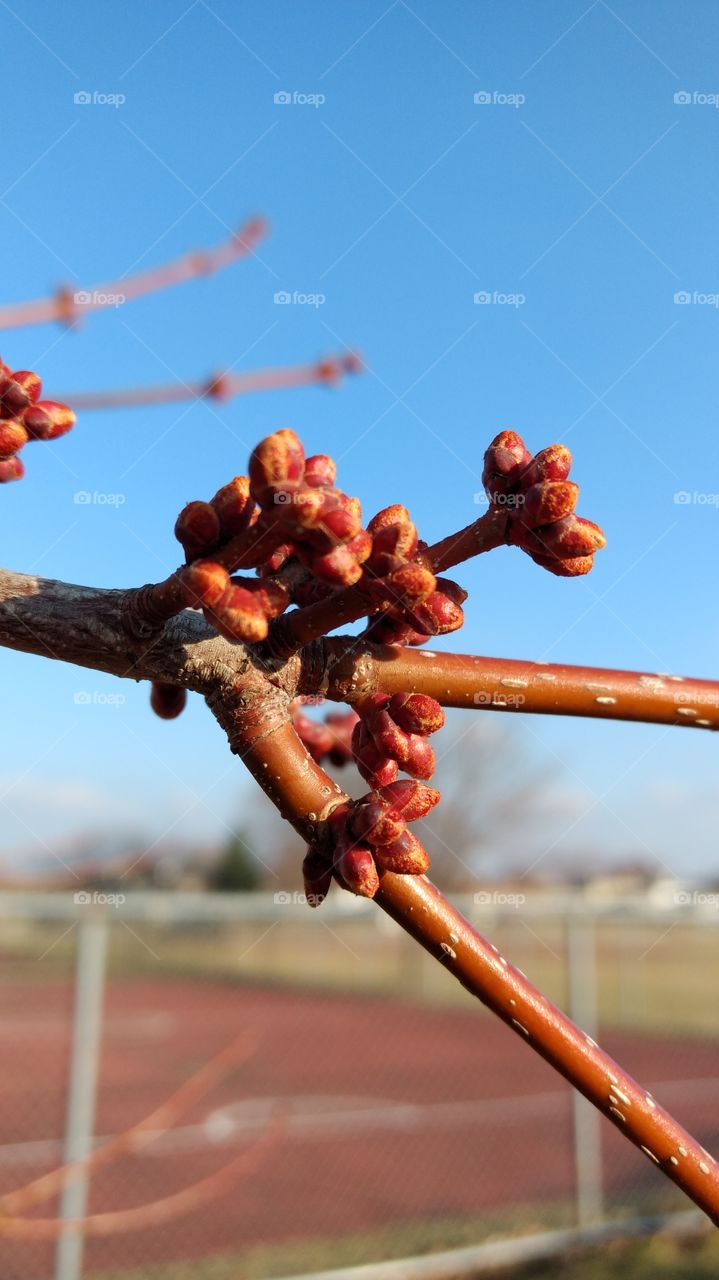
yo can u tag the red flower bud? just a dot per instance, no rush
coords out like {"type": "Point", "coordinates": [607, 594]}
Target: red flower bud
{"type": "Point", "coordinates": [396, 514]}
{"type": "Point", "coordinates": [197, 528]}
{"type": "Point", "coordinates": [272, 596]}
{"type": "Point", "coordinates": [234, 506]}
{"type": "Point", "coordinates": [406, 856]}
{"type": "Point", "coordinates": [376, 769]}
{"type": "Point", "coordinates": [387, 736]}
{"type": "Point", "coordinates": [338, 566]}
{"type": "Point", "coordinates": [392, 545]}
{"type": "Point", "coordinates": [412, 584]}
{"type": "Point", "coordinates": [416, 713]}
{"type": "Point", "coordinates": [11, 469]}
{"type": "Point", "coordinates": [437, 616]}
{"type": "Point", "coordinates": [203, 583]}
{"type": "Point", "coordinates": [504, 462]}
{"type": "Point", "coordinates": [371, 820]}
{"type": "Point", "coordinates": [408, 800]}
{"type": "Point", "coordinates": [571, 536]}
{"type": "Point", "coordinates": [552, 463]}
{"type": "Point", "coordinates": [167, 700]}
{"type": "Point", "coordinates": [548, 501]}
{"type": "Point", "coordinates": [300, 508]}
{"type": "Point", "coordinates": [276, 466]}
{"type": "Point", "coordinates": [238, 615]}
{"type": "Point", "coordinates": [18, 390]}
{"type": "Point", "coordinates": [339, 517]}
{"type": "Point", "coordinates": [320, 471]}
{"type": "Point", "coordinates": [12, 437]}
{"type": "Point", "coordinates": [389, 629]}
{"type": "Point", "coordinates": [47, 420]}
{"type": "Point", "coordinates": [452, 589]}
{"type": "Point", "coordinates": [317, 875]}
{"type": "Point", "coordinates": [360, 546]}
{"type": "Point", "coordinates": [357, 869]}
{"type": "Point", "coordinates": [575, 567]}
{"type": "Point", "coordinates": [420, 758]}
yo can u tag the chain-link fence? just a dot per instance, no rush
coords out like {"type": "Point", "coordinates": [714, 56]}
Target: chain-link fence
{"type": "Point", "coordinates": [369, 1110]}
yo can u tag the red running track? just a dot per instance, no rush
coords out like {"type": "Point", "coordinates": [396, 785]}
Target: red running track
{"type": "Point", "coordinates": [396, 1113]}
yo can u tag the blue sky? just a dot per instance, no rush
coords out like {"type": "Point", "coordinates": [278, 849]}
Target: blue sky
{"type": "Point", "coordinates": [581, 188]}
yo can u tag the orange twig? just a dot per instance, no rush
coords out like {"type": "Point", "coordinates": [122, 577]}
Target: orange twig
{"type": "Point", "coordinates": [148, 1215]}
{"type": "Point", "coordinates": [222, 386]}
{"type": "Point", "coordinates": [139, 1135]}
{"type": "Point", "coordinates": [510, 684]}
{"type": "Point", "coordinates": [68, 305]}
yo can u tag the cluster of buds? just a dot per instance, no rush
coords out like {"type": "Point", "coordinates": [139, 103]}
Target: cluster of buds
{"type": "Point", "coordinates": [538, 499]}
{"type": "Point", "coordinates": [289, 508]}
{"type": "Point", "coordinates": [24, 416]}
{"type": "Point", "coordinates": [422, 605]}
{"type": "Point", "coordinates": [369, 836]}
{"type": "Point", "coordinates": [330, 739]}
{"type": "Point", "coordinates": [382, 734]}
{"type": "Point", "coordinates": [320, 526]}
{"type": "Point", "coordinates": [391, 734]}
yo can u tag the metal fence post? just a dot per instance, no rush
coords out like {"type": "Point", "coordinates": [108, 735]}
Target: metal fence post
{"type": "Point", "coordinates": [587, 1122]}
{"type": "Point", "coordinates": [82, 1087]}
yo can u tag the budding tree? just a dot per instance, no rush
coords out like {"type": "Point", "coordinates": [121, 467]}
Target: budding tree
{"type": "Point", "coordinates": [274, 562]}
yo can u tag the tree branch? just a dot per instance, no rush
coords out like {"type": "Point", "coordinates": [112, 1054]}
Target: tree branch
{"type": "Point", "coordinates": [68, 305]}
{"type": "Point", "coordinates": [86, 626]}
{"type": "Point", "coordinates": [507, 684]}
{"type": "Point", "coordinates": [250, 699]}
{"type": "Point", "coordinates": [305, 795]}
{"type": "Point", "coordinates": [221, 386]}
{"type": "Point", "coordinates": [484, 534]}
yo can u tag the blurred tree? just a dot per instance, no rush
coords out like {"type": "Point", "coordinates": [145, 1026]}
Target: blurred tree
{"type": "Point", "coordinates": [237, 869]}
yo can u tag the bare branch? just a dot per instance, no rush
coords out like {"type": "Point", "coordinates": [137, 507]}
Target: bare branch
{"type": "Point", "coordinates": [506, 684]}
{"type": "Point", "coordinates": [250, 699]}
{"type": "Point", "coordinates": [220, 386]}
{"type": "Point", "coordinates": [69, 305]}
{"type": "Point", "coordinates": [86, 626]}
{"type": "Point", "coordinates": [305, 795]}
